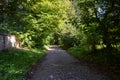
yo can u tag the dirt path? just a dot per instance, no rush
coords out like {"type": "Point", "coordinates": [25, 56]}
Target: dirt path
{"type": "Point", "coordinates": [59, 65]}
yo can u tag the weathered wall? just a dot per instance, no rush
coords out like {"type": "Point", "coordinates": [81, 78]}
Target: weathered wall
{"type": "Point", "coordinates": [8, 41]}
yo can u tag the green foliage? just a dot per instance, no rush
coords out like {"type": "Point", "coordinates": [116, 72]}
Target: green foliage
{"type": "Point", "coordinates": [80, 25]}
{"type": "Point", "coordinates": [43, 19]}
{"type": "Point", "coordinates": [34, 20]}
{"type": "Point", "coordinates": [68, 34]}
{"type": "Point", "coordinates": [98, 31]}
{"type": "Point", "coordinates": [79, 52]}
{"type": "Point", "coordinates": [99, 56]}
{"type": "Point", "coordinates": [15, 64]}
{"type": "Point", "coordinates": [99, 28]}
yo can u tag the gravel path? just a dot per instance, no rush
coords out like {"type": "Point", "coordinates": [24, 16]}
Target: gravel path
{"type": "Point", "coordinates": [59, 65]}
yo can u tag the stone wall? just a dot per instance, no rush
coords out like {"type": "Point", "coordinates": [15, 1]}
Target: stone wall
{"type": "Point", "coordinates": [8, 41]}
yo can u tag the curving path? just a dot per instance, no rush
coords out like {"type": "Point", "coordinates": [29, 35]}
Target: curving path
{"type": "Point", "coordinates": [59, 65]}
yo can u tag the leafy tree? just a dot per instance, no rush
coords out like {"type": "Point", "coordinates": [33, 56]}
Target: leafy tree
{"type": "Point", "coordinates": [34, 21]}
{"type": "Point", "coordinates": [109, 22]}
{"type": "Point", "coordinates": [99, 21]}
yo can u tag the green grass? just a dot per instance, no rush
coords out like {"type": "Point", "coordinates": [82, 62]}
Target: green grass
{"type": "Point", "coordinates": [99, 56]}
{"type": "Point", "coordinates": [15, 64]}
{"type": "Point", "coordinates": [108, 61]}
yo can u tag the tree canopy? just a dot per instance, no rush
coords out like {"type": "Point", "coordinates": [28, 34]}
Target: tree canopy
{"type": "Point", "coordinates": [66, 22]}
{"type": "Point", "coordinates": [35, 21]}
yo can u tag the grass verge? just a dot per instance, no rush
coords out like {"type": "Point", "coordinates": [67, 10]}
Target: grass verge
{"type": "Point", "coordinates": [106, 62]}
{"type": "Point", "coordinates": [15, 64]}
{"type": "Point", "coordinates": [99, 56]}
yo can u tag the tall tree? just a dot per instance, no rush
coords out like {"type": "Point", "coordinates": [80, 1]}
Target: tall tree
{"type": "Point", "coordinates": [99, 21]}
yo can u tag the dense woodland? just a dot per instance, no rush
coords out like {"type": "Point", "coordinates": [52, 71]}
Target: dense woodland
{"type": "Point", "coordinates": [86, 28]}
{"type": "Point", "coordinates": [88, 25]}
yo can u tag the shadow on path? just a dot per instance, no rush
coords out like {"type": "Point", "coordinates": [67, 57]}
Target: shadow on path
{"type": "Point", "coordinates": [59, 65]}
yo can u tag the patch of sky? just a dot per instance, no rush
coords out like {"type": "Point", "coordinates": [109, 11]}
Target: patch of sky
{"type": "Point", "coordinates": [101, 10]}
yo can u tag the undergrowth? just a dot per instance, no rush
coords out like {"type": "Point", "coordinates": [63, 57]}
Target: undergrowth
{"type": "Point", "coordinates": [15, 64]}
{"type": "Point", "coordinates": [98, 56]}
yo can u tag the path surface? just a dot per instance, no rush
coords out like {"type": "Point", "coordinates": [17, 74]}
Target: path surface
{"type": "Point", "coordinates": [59, 65]}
